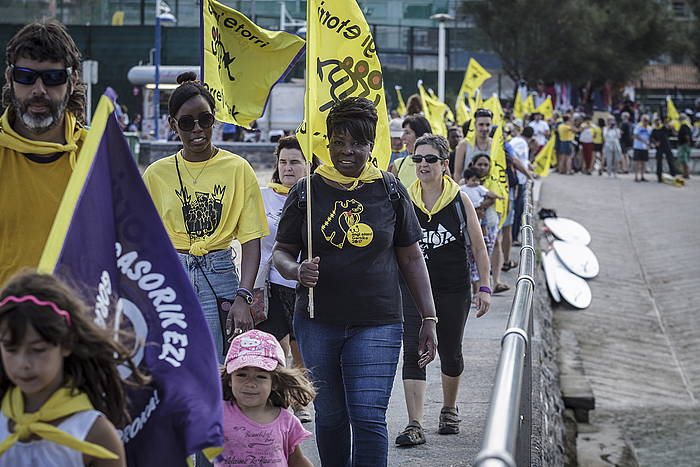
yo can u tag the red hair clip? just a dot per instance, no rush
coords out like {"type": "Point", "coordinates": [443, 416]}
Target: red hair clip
{"type": "Point", "coordinates": [36, 301]}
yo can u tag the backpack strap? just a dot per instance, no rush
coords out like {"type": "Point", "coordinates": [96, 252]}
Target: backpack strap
{"type": "Point", "coordinates": [390, 185]}
{"type": "Point", "coordinates": [462, 216]}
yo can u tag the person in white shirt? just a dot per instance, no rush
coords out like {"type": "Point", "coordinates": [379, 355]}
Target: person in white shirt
{"type": "Point", "coordinates": [540, 128]}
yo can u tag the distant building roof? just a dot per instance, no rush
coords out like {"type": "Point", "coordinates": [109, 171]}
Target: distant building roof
{"type": "Point", "coordinates": [670, 77]}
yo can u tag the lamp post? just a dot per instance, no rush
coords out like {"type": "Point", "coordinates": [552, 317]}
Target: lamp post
{"type": "Point", "coordinates": [441, 18]}
{"type": "Point", "coordinates": [162, 14]}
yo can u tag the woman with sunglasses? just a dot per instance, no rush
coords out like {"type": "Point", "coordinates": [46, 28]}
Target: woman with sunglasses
{"type": "Point", "coordinates": [206, 197]}
{"type": "Point", "coordinates": [442, 209]}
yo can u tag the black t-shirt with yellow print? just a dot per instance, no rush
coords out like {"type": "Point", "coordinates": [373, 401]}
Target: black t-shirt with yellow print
{"type": "Point", "coordinates": [354, 234]}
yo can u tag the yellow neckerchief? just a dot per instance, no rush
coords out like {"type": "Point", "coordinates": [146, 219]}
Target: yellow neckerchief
{"type": "Point", "coordinates": [278, 188]}
{"type": "Point", "coordinates": [449, 190]}
{"type": "Point", "coordinates": [74, 132]}
{"type": "Point", "coordinates": [61, 404]}
{"type": "Point", "coordinates": [369, 174]}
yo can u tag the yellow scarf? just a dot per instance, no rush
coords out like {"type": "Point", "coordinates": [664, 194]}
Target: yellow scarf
{"type": "Point", "coordinates": [449, 190]}
{"type": "Point", "coordinates": [60, 404]}
{"type": "Point", "coordinates": [74, 132]}
{"type": "Point", "coordinates": [369, 174]}
{"type": "Point", "coordinates": [278, 188]}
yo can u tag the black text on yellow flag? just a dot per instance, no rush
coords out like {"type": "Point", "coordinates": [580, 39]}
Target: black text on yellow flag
{"type": "Point", "coordinates": [342, 62]}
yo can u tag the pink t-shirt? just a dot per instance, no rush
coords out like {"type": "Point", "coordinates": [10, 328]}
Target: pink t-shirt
{"type": "Point", "coordinates": [250, 443]}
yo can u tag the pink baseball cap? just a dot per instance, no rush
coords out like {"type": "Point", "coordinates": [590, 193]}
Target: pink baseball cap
{"type": "Point", "coordinates": [254, 348]}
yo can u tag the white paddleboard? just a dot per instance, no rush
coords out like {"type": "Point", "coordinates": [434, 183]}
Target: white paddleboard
{"type": "Point", "coordinates": [568, 230]}
{"type": "Point", "coordinates": [549, 263]}
{"type": "Point", "coordinates": [579, 259]}
{"type": "Point", "coordinates": [572, 288]}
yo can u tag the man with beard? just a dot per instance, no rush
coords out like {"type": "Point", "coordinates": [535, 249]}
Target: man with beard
{"type": "Point", "coordinates": [41, 133]}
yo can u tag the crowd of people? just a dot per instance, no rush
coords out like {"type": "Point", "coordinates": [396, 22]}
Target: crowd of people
{"type": "Point", "coordinates": [400, 257]}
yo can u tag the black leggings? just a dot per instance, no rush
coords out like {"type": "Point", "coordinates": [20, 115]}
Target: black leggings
{"type": "Point", "coordinates": [452, 310]}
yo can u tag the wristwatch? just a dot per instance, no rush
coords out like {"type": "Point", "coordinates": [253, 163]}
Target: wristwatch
{"type": "Point", "coordinates": [245, 295]}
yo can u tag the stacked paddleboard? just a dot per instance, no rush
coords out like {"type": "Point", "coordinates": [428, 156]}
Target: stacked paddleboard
{"type": "Point", "coordinates": [570, 262]}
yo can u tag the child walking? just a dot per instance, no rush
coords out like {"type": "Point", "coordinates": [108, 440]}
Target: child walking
{"type": "Point", "coordinates": [258, 430]}
{"type": "Point", "coordinates": [477, 193]}
{"type": "Point", "coordinates": [61, 390]}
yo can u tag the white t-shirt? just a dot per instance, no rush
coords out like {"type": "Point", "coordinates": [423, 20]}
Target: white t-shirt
{"type": "Point", "coordinates": [476, 195]}
{"type": "Point", "coordinates": [44, 452]}
{"type": "Point", "coordinates": [540, 128]}
{"type": "Point", "coordinates": [522, 152]}
{"type": "Point", "coordinates": [274, 202]}
{"type": "Point", "coordinates": [586, 134]}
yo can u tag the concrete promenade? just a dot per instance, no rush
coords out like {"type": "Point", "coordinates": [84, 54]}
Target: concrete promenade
{"type": "Point", "coordinates": [640, 338]}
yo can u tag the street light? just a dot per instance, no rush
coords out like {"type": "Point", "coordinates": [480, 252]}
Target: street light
{"type": "Point", "coordinates": [441, 18]}
{"type": "Point", "coordinates": [162, 15]}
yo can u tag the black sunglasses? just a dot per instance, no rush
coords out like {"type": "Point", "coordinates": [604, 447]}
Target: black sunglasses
{"type": "Point", "coordinates": [186, 122]}
{"type": "Point", "coordinates": [48, 77]}
{"type": "Point", "coordinates": [430, 159]}
{"type": "Point", "coordinates": [483, 113]}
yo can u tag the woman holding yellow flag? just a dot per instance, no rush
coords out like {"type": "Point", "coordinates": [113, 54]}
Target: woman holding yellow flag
{"type": "Point", "coordinates": [364, 231]}
{"type": "Point", "coordinates": [449, 224]}
{"type": "Point", "coordinates": [206, 197]}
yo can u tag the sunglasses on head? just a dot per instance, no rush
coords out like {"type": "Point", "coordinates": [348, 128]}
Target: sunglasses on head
{"type": "Point", "coordinates": [483, 113]}
{"type": "Point", "coordinates": [48, 77]}
{"type": "Point", "coordinates": [186, 122]}
{"type": "Point", "coordinates": [430, 159]}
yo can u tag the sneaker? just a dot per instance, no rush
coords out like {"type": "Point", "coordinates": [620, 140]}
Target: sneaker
{"type": "Point", "coordinates": [449, 421]}
{"type": "Point", "coordinates": [413, 435]}
{"type": "Point", "coordinates": [303, 415]}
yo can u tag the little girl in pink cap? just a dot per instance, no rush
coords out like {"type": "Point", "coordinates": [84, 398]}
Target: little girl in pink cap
{"type": "Point", "coordinates": [258, 430]}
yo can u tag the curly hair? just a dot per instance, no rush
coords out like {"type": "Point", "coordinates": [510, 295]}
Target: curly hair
{"type": "Point", "coordinates": [94, 356]}
{"type": "Point", "coordinates": [47, 40]}
{"type": "Point", "coordinates": [189, 88]}
{"type": "Point", "coordinates": [289, 386]}
{"type": "Point", "coordinates": [356, 116]}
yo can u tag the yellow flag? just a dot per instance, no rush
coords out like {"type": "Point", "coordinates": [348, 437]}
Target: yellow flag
{"type": "Point", "coordinates": [529, 106]}
{"type": "Point", "coordinates": [242, 62]}
{"type": "Point", "coordinates": [474, 77]}
{"type": "Point", "coordinates": [671, 109]}
{"type": "Point", "coordinates": [494, 105]}
{"type": "Point", "coordinates": [545, 108]}
{"type": "Point", "coordinates": [463, 113]}
{"type": "Point", "coordinates": [446, 112]}
{"type": "Point", "coordinates": [341, 62]}
{"type": "Point", "coordinates": [401, 108]}
{"type": "Point", "coordinates": [518, 105]}
{"type": "Point", "coordinates": [544, 159]}
{"type": "Point", "coordinates": [497, 179]}
{"type": "Point", "coordinates": [433, 110]}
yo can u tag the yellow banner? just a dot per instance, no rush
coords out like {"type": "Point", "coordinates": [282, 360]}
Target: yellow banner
{"type": "Point", "coordinates": [463, 113]}
{"type": "Point", "coordinates": [242, 62]}
{"type": "Point", "coordinates": [434, 111]}
{"type": "Point", "coordinates": [546, 108]}
{"type": "Point", "coordinates": [494, 105]}
{"type": "Point", "coordinates": [474, 77]}
{"type": "Point", "coordinates": [518, 105]}
{"type": "Point", "coordinates": [672, 114]}
{"type": "Point", "coordinates": [401, 108]}
{"type": "Point", "coordinates": [341, 62]}
{"type": "Point", "coordinates": [497, 179]}
{"type": "Point", "coordinates": [529, 106]}
{"type": "Point", "coordinates": [545, 158]}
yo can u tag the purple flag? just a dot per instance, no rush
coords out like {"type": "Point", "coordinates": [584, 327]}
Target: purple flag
{"type": "Point", "coordinates": [108, 238]}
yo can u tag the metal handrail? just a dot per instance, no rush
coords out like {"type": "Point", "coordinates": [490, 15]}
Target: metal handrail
{"type": "Point", "coordinates": [508, 422]}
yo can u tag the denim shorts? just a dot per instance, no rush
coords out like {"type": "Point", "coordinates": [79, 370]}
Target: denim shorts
{"type": "Point", "coordinates": [219, 268]}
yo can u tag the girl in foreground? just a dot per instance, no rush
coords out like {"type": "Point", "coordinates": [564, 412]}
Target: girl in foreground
{"type": "Point", "coordinates": [258, 430]}
{"type": "Point", "coordinates": [61, 390]}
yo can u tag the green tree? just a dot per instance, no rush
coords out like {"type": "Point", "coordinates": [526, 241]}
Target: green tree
{"type": "Point", "coordinates": [573, 40]}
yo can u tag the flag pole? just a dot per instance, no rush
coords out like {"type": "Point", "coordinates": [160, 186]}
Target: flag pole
{"type": "Point", "coordinates": [310, 149]}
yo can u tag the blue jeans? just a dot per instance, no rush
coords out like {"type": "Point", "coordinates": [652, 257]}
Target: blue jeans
{"type": "Point", "coordinates": [221, 272]}
{"type": "Point", "coordinates": [353, 369]}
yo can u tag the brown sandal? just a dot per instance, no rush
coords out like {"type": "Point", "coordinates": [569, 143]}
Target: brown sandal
{"type": "Point", "coordinates": [500, 288]}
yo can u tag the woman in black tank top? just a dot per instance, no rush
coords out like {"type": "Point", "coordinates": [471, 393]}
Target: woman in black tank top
{"type": "Point", "coordinates": [449, 225]}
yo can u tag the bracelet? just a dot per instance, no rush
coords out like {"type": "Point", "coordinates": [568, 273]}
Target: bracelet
{"type": "Point", "coordinates": [431, 318]}
{"type": "Point", "coordinates": [244, 291]}
{"type": "Point", "coordinates": [483, 288]}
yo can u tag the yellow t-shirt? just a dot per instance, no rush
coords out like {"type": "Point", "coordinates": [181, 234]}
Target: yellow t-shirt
{"type": "Point", "coordinates": [224, 203]}
{"type": "Point", "coordinates": [597, 134]}
{"type": "Point", "coordinates": [31, 188]}
{"type": "Point", "coordinates": [565, 132]}
{"type": "Point", "coordinates": [406, 170]}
